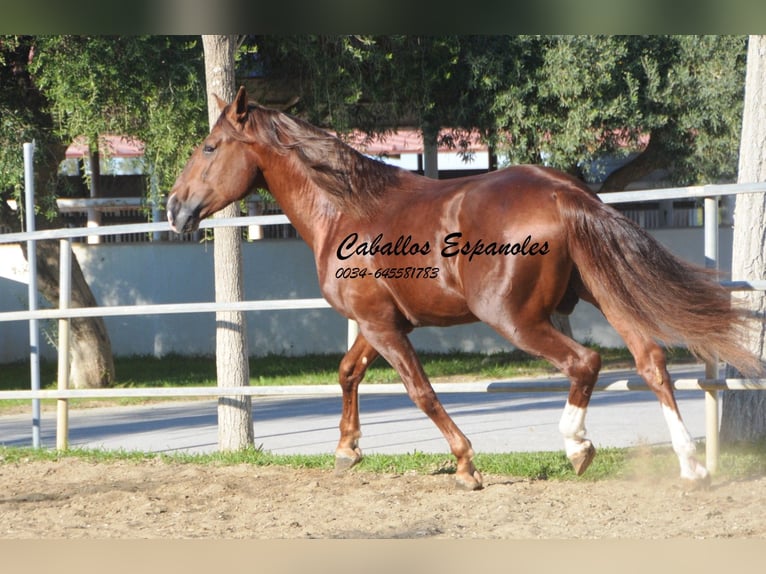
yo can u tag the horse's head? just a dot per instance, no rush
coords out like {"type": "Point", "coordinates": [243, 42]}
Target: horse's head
{"type": "Point", "coordinates": [221, 170]}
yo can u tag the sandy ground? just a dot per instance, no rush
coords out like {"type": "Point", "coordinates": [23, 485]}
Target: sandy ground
{"type": "Point", "coordinates": [72, 498]}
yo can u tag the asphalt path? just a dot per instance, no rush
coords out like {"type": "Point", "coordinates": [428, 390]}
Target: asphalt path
{"type": "Point", "coordinates": [308, 424]}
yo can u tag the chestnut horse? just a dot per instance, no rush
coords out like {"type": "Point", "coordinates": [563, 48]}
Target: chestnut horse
{"type": "Point", "coordinates": [395, 251]}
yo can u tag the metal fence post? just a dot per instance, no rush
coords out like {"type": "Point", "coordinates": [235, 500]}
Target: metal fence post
{"type": "Point", "coordinates": [711, 367]}
{"type": "Point", "coordinates": [65, 297]}
{"type": "Point", "coordinates": [34, 330]}
{"type": "Point", "coordinates": [353, 331]}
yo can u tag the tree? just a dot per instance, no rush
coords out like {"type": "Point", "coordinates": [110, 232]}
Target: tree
{"type": "Point", "coordinates": [690, 106]}
{"type": "Point", "coordinates": [744, 412]}
{"type": "Point", "coordinates": [672, 101]}
{"type": "Point", "coordinates": [24, 109]}
{"type": "Point", "coordinates": [235, 425]}
{"type": "Point", "coordinates": [569, 100]}
{"type": "Point", "coordinates": [143, 87]}
{"type": "Point", "coordinates": [56, 88]}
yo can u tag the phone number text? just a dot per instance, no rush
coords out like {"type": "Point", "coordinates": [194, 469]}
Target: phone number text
{"type": "Point", "coordinates": [387, 273]}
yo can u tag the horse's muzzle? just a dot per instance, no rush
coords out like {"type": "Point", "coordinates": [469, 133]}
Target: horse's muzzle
{"type": "Point", "coordinates": [182, 217]}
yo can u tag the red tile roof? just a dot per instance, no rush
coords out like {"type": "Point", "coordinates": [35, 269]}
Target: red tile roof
{"type": "Point", "coordinates": [109, 146]}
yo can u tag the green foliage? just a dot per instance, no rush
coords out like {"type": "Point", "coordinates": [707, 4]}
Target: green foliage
{"type": "Point", "coordinates": [22, 119]}
{"type": "Point", "coordinates": [560, 100]}
{"type": "Point", "coordinates": [591, 95]}
{"type": "Point", "coordinates": [54, 89]}
{"type": "Point", "coordinates": [380, 83]}
{"type": "Point", "coordinates": [147, 87]}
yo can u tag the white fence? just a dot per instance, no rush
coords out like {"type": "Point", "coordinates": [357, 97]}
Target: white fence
{"type": "Point", "coordinates": [164, 272]}
{"type": "Point", "coordinates": [711, 385]}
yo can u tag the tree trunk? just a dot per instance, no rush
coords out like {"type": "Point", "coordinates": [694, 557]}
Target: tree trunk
{"type": "Point", "coordinates": [92, 363]}
{"type": "Point", "coordinates": [431, 152]}
{"type": "Point", "coordinates": [235, 423]}
{"type": "Point", "coordinates": [744, 412]}
{"type": "Point", "coordinates": [651, 158]}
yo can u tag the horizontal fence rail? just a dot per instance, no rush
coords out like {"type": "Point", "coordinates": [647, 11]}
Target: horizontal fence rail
{"type": "Point", "coordinates": [692, 192]}
{"type": "Point", "coordinates": [166, 309]}
{"type": "Point", "coordinates": [711, 386]}
{"type": "Point", "coordinates": [126, 228]}
{"type": "Point", "coordinates": [701, 191]}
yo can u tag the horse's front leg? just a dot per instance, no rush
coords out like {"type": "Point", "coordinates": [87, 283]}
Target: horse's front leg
{"type": "Point", "coordinates": [398, 351]}
{"type": "Point", "coordinates": [351, 372]}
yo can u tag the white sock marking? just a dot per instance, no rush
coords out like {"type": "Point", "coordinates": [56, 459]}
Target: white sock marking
{"type": "Point", "coordinates": [683, 445]}
{"type": "Point", "coordinates": [572, 426]}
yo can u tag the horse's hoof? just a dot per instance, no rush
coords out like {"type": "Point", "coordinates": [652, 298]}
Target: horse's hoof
{"type": "Point", "coordinates": [581, 459]}
{"type": "Point", "coordinates": [346, 460]}
{"type": "Point", "coordinates": [469, 481]}
{"type": "Point", "coordinates": [700, 478]}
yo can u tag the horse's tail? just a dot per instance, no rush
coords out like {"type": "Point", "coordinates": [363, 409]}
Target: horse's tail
{"type": "Point", "coordinates": [663, 297]}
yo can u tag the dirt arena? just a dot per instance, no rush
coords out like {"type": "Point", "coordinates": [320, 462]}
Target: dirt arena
{"type": "Point", "coordinates": [72, 498]}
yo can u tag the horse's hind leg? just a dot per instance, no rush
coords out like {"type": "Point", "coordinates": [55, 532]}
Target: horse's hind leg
{"type": "Point", "coordinates": [351, 372]}
{"type": "Point", "coordinates": [581, 366]}
{"type": "Point", "coordinates": [651, 365]}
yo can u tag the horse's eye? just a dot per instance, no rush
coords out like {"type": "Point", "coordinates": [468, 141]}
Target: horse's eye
{"type": "Point", "coordinates": [208, 149]}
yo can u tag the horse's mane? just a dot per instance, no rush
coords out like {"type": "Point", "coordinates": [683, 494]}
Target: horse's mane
{"type": "Point", "coordinates": [352, 181]}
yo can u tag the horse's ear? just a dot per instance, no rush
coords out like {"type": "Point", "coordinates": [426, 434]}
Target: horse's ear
{"type": "Point", "coordinates": [220, 102]}
{"type": "Point", "coordinates": [239, 107]}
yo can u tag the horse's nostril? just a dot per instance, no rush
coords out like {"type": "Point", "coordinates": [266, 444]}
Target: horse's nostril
{"type": "Point", "coordinates": [172, 210]}
{"type": "Point", "coordinates": [175, 214]}
{"type": "Point", "coordinates": [182, 217]}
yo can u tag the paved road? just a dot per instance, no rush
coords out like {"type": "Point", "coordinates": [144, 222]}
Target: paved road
{"type": "Point", "coordinates": [495, 422]}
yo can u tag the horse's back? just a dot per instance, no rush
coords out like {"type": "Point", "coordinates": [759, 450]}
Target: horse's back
{"type": "Point", "coordinates": [510, 186]}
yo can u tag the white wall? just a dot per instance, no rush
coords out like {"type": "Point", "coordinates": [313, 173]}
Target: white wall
{"type": "Point", "coordinates": [124, 274]}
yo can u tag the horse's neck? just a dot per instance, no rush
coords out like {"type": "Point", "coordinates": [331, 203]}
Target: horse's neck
{"type": "Point", "coordinates": [308, 209]}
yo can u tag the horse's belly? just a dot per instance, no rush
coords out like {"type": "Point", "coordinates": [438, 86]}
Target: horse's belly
{"type": "Point", "coordinates": [425, 307]}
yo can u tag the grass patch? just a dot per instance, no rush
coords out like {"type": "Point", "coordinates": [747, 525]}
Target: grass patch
{"type": "Point", "coordinates": [744, 461]}
{"type": "Point", "coordinates": [737, 463]}
{"type": "Point", "coordinates": [542, 465]}
{"type": "Point", "coordinates": [315, 369]}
